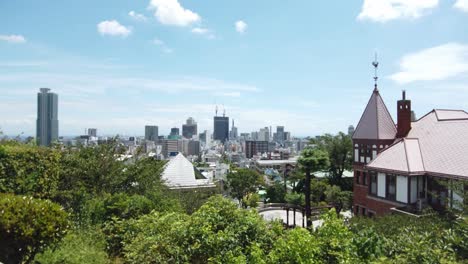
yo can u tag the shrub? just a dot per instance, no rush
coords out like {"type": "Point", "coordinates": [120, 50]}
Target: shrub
{"type": "Point", "coordinates": [28, 225]}
{"type": "Point", "coordinates": [81, 246]}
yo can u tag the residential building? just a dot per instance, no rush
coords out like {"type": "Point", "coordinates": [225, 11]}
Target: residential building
{"type": "Point", "coordinates": [151, 133]}
{"type": "Point", "coordinates": [409, 165]}
{"type": "Point", "coordinates": [252, 148]}
{"type": "Point", "coordinates": [47, 129]}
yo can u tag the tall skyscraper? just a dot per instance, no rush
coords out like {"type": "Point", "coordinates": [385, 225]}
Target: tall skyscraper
{"type": "Point", "coordinates": [151, 133]}
{"type": "Point", "coordinates": [280, 134]}
{"type": "Point", "coordinates": [221, 128]}
{"type": "Point", "coordinates": [190, 128]}
{"type": "Point", "coordinates": [233, 134]}
{"type": "Point", "coordinates": [47, 117]}
{"type": "Point", "coordinates": [92, 132]}
{"type": "Point", "coordinates": [174, 131]}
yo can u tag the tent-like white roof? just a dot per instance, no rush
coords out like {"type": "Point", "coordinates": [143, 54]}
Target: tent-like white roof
{"type": "Point", "coordinates": [179, 173]}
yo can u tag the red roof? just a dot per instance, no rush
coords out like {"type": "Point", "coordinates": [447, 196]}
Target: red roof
{"type": "Point", "coordinates": [376, 122]}
{"type": "Point", "coordinates": [437, 144]}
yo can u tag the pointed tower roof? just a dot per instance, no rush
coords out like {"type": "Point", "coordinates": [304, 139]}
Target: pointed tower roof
{"type": "Point", "coordinates": [376, 122]}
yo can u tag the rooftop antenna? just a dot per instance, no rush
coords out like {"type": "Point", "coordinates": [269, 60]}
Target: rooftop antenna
{"type": "Point", "coordinates": [224, 111]}
{"type": "Point", "coordinates": [216, 110]}
{"type": "Point", "coordinates": [375, 63]}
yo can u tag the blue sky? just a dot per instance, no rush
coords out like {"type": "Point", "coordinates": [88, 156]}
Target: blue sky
{"type": "Point", "coordinates": [118, 65]}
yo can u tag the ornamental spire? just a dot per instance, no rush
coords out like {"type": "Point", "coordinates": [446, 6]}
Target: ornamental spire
{"type": "Point", "coordinates": [375, 63]}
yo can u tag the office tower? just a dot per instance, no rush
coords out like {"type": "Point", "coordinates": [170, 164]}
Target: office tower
{"type": "Point", "coordinates": [190, 128]}
{"type": "Point", "coordinates": [151, 133]}
{"type": "Point", "coordinates": [264, 134]}
{"type": "Point", "coordinates": [221, 128]}
{"type": "Point", "coordinates": [280, 134]}
{"type": "Point", "coordinates": [287, 136]}
{"type": "Point", "coordinates": [252, 148]}
{"type": "Point", "coordinates": [47, 117]}
{"type": "Point", "coordinates": [174, 131]}
{"type": "Point", "coordinates": [233, 133]}
{"type": "Point", "coordinates": [350, 130]}
{"type": "Point", "coordinates": [202, 136]}
{"type": "Point", "coordinates": [92, 132]}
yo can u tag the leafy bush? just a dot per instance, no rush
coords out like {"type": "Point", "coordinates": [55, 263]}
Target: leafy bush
{"type": "Point", "coordinates": [27, 225]}
{"type": "Point", "coordinates": [218, 232]}
{"type": "Point", "coordinates": [86, 246]}
{"type": "Point", "coordinates": [29, 170]}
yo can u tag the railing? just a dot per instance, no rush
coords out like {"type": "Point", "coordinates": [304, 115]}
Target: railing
{"type": "Point", "coordinates": [315, 211]}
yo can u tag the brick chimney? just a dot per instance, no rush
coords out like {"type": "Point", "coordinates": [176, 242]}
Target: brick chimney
{"type": "Point", "coordinates": [403, 116]}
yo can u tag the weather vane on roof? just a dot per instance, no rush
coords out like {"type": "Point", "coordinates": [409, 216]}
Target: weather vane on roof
{"type": "Point", "coordinates": [375, 63]}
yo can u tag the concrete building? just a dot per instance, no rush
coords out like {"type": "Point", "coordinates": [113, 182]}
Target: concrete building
{"type": "Point", "coordinates": [252, 148]}
{"type": "Point", "coordinates": [264, 134]}
{"type": "Point", "coordinates": [221, 128]}
{"type": "Point", "coordinates": [189, 129]}
{"type": "Point", "coordinates": [47, 129]}
{"type": "Point", "coordinates": [203, 136]}
{"type": "Point", "coordinates": [92, 132]}
{"type": "Point", "coordinates": [233, 134]}
{"type": "Point", "coordinates": [174, 133]}
{"type": "Point", "coordinates": [170, 147]}
{"type": "Point", "coordinates": [280, 134]}
{"type": "Point", "coordinates": [151, 133]}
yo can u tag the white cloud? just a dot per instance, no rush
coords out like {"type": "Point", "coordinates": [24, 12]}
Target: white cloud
{"type": "Point", "coordinates": [137, 16]}
{"type": "Point", "coordinates": [385, 10]}
{"type": "Point", "coordinates": [228, 94]}
{"type": "Point", "coordinates": [437, 63]}
{"type": "Point", "coordinates": [113, 28]}
{"type": "Point", "coordinates": [241, 26]}
{"type": "Point", "coordinates": [170, 12]}
{"type": "Point", "coordinates": [462, 5]}
{"type": "Point", "coordinates": [200, 31]}
{"type": "Point", "coordinates": [163, 45]}
{"type": "Point", "coordinates": [203, 31]}
{"type": "Point", "coordinates": [13, 38]}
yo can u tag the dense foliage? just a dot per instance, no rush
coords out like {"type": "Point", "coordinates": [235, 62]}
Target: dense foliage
{"type": "Point", "coordinates": [88, 205]}
{"type": "Point", "coordinates": [27, 225]}
{"type": "Point", "coordinates": [340, 153]}
{"type": "Point", "coordinates": [241, 182]}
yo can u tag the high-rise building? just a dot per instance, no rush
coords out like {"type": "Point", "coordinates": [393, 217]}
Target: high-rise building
{"type": "Point", "coordinates": [151, 133]}
{"type": "Point", "coordinates": [92, 132]}
{"type": "Point", "coordinates": [190, 128]}
{"type": "Point", "coordinates": [350, 130]}
{"type": "Point", "coordinates": [47, 117]}
{"type": "Point", "coordinates": [221, 128]}
{"type": "Point", "coordinates": [170, 147]}
{"type": "Point", "coordinates": [280, 134]}
{"type": "Point", "coordinates": [203, 136]}
{"type": "Point", "coordinates": [174, 131]}
{"type": "Point", "coordinates": [264, 134]}
{"type": "Point", "coordinates": [233, 133]}
{"type": "Point", "coordinates": [252, 148]}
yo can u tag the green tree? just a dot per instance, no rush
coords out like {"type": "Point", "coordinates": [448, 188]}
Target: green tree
{"type": "Point", "coordinates": [338, 198]}
{"type": "Point", "coordinates": [275, 193]}
{"type": "Point", "coordinates": [242, 181]}
{"type": "Point", "coordinates": [311, 160]}
{"type": "Point", "coordinates": [27, 225]}
{"type": "Point", "coordinates": [29, 170]}
{"type": "Point", "coordinates": [340, 153]}
{"type": "Point", "coordinates": [251, 200]}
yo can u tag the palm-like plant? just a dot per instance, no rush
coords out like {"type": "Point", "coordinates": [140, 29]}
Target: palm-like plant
{"type": "Point", "coordinates": [312, 160]}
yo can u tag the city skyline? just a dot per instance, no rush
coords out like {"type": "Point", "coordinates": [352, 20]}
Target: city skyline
{"type": "Point", "coordinates": [121, 66]}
